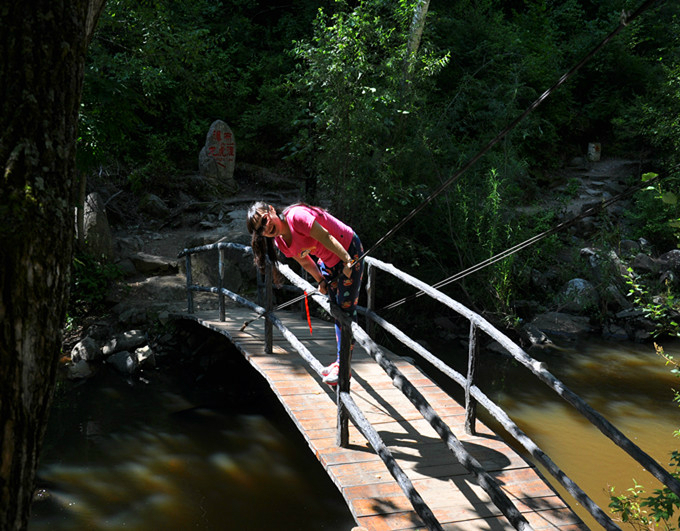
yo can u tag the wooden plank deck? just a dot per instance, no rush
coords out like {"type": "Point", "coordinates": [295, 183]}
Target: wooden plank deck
{"type": "Point", "coordinates": [372, 494]}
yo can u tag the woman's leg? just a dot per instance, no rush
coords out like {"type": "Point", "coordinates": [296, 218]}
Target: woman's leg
{"type": "Point", "coordinates": [345, 292]}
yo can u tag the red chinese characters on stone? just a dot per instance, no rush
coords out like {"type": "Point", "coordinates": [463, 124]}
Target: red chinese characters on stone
{"type": "Point", "coordinates": [223, 150]}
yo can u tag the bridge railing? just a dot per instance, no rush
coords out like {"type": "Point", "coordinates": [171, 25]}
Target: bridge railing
{"type": "Point", "coordinates": [347, 408]}
{"type": "Point", "coordinates": [474, 396]}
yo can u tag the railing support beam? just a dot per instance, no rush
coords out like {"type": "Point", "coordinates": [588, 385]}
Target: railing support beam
{"type": "Point", "coordinates": [190, 293]}
{"type": "Point", "coordinates": [370, 298]}
{"type": "Point", "coordinates": [220, 268]}
{"type": "Point", "coordinates": [470, 402]}
{"type": "Point", "coordinates": [342, 438]}
{"type": "Point", "coordinates": [269, 305]}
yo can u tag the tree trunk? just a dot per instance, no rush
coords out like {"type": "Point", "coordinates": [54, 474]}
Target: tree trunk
{"type": "Point", "coordinates": [42, 55]}
{"type": "Point", "coordinates": [415, 34]}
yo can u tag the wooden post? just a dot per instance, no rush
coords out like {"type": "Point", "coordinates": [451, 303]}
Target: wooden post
{"type": "Point", "coordinates": [260, 287]}
{"type": "Point", "coordinates": [190, 294]}
{"type": "Point", "coordinates": [269, 296]}
{"type": "Point", "coordinates": [370, 302]}
{"type": "Point", "coordinates": [470, 402]}
{"type": "Point", "coordinates": [342, 438]}
{"type": "Point", "coordinates": [220, 267]}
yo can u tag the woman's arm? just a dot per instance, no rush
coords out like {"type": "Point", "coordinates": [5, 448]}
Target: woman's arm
{"type": "Point", "coordinates": [310, 266]}
{"type": "Point", "coordinates": [329, 242]}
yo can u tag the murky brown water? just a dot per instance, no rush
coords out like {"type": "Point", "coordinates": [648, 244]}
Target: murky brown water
{"type": "Point", "coordinates": [629, 384]}
{"type": "Point", "coordinates": [220, 453]}
{"type": "Point", "coordinates": [632, 387]}
{"type": "Point", "coordinates": [168, 453]}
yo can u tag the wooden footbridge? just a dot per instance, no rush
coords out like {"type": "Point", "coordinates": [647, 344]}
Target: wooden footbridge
{"type": "Point", "coordinates": [411, 457]}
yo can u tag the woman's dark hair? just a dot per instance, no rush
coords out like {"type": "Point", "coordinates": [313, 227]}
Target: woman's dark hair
{"type": "Point", "coordinates": [262, 247]}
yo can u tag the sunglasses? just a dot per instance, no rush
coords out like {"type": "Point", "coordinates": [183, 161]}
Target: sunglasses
{"type": "Point", "coordinates": [263, 224]}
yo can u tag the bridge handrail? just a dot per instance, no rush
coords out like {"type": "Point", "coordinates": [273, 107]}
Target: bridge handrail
{"type": "Point", "coordinates": [473, 393]}
{"type": "Point", "coordinates": [501, 416]}
{"type": "Point", "coordinates": [358, 418]}
{"type": "Point", "coordinates": [539, 371]}
{"type": "Point", "coordinates": [490, 486]}
{"type": "Point", "coordinates": [497, 495]}
{"type": "Point", "coordinates": [214, 246]}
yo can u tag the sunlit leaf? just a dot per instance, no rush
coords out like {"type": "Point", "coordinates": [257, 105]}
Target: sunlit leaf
{"type": "Point", "coordinates": [669, 198]}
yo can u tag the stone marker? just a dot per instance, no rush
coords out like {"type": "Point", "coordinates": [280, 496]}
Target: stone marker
{"type": "Point", "coordinates": [96, 229]}
{"type": "Point", "coordinates": [217, 158]}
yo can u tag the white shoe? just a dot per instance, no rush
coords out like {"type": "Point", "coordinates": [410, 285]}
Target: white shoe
{"type": "Point", "coordinates": [331, 378]}
{"type": "Point", "coordinates": [328, 369]}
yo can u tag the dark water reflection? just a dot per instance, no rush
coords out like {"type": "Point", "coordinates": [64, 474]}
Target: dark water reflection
{"type": "Point", "coordinates": [168, 452]}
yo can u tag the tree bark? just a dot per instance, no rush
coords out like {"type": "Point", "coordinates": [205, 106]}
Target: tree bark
{"type": "Point", "coordinates": [42, 56]}
{"type": "Point", "coordinates": [415, 35]}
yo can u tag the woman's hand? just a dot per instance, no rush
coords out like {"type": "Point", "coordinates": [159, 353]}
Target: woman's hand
{"type": "Point", "coordinates": [323, 286]}
{"type": "Point", "coordinates": [347, 269]}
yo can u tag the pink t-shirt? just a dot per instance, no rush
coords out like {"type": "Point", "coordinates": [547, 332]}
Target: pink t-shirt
{"type": "Point", "coordinates": [300, 219]}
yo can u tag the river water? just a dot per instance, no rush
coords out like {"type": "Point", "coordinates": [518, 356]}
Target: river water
{"type": "Point", "coordinates": [206, 447]}
{"type": "Point", "coordinates": [627, 383]}
{"type": "Point", "coordinates": [209, 447]}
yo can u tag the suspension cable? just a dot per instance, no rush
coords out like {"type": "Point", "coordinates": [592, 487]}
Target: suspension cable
{"type": "Point", "coordinates": [527, 243]}
{"type": "Point", "coordinates": [625, 20]}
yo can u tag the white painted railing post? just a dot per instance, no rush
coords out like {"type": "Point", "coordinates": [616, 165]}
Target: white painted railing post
{"type": "Point", "coordinates": [343, 383]}
{"type": "Point", "coordinates": [470, 402]}
{"type": "Point", "coordinates": [220, 268]}
{"type": "Point", "coordinates": [269, 305]}
{"type": "Point", "coordinates": [370, 299]}
{"type": "Point", "coordinates": [190, 294]}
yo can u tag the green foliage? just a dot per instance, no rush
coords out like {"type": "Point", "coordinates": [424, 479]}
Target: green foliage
{"type": "Point", "coordinates": [663, 309]}
{"type": "Point", "coordinates": [649, 512]}
{"type": "Point", "coordinates": [649, 120]}
{"type": "Point", "coordinates": [91, 279]}
{"type": "Point", "coordinates": [159, 73]}
{"type": "Point", "coordinates": [656, 215]}
{"type": "Point", "coordinates": [322, 88]}
{"type": "Point", "coordinates": [351, 77]}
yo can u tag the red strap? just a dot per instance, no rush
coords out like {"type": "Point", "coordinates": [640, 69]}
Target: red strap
{"type": "Point", "coordinates": [309, 320]}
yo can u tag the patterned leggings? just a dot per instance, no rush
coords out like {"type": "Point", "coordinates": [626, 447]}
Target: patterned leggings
{"type": "Point", "coordinates": [345, 291]}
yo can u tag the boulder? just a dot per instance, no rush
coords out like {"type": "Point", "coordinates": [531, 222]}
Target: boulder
{"type": "Point", "coordinates": [534, 336]}
{"type": "Point", "coordinates": [154, 206]}
{"type": "Point", "coordinates": [145, 356]}
{"type": "Point", "coordinates": [607, 267]}
{"type": "Point", "coordinates": [579, 297]}
{"type": "Point", "coordinates": [148, 264]}
{"type": "Point", "coordinates": [629, 247]}
{"type": "Point", "coordinates": [123, 362]}
{"type": "Point", "coordinates": [87, 349]}
{"type": "Point", "coordinates": [643, 263]}
{"type": "Point", "coordinates": [614, 300]}
{"type": "Point", "coordinates": [670, 262]}
{"type": "Point", "coordinates": [612, 332]}
{"type": "Point", "coordinates": [563, 325]}
{"type": "Point", "coordinates": [126, 341]}
{"type": "Point", "coordinates": [79, 370]}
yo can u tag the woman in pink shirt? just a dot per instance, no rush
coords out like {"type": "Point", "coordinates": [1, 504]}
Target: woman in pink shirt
{"type": "Point", "coordinates": [321, 243]}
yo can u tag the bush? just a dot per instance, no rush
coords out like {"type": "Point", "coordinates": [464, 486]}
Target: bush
{"type": "Point", "coordinates": [91, 279]}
